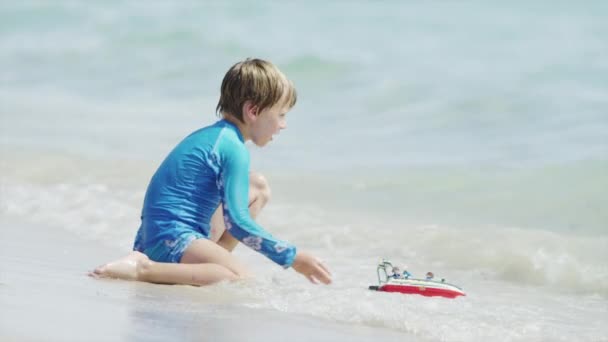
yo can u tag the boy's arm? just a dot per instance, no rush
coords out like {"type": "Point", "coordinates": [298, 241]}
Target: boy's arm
{"type": "Point", "coordinates": [234, 188]}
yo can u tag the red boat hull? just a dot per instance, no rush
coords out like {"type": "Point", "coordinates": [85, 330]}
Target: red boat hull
{"type": "Point", "coordinates": [421, 290]}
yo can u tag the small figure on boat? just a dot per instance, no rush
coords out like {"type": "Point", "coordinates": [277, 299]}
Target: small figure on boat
{"type": "Point", "coordinates": [406, 274]}
{"type": "Point", "coordinates": [396, 273]}
{"type": "Point", "coordinates": [429, 275]}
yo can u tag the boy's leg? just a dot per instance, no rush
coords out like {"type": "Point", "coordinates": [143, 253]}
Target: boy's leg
{"type": "Point", "coordinates": [203, 263]}
{"type": "Point", "coordinates": [259, 195]}
{"type": "Point", "coordinates": [205, 252]}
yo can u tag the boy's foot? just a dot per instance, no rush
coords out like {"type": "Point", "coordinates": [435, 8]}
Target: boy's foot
{"type": "Point", "coordinates": [125, 268]}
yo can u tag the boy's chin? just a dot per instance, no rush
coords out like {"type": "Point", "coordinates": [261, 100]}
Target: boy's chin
{"type": "Point", "coordinates": [262, 143]}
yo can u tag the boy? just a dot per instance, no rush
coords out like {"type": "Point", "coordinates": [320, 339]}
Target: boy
{"type": "Point", "coordinates": [182, 239]}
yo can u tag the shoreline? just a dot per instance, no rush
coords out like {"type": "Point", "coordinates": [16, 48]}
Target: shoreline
{"type": "Point", "coordinates": [45, 295]}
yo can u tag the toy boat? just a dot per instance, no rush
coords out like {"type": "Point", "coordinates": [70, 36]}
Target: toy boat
{"type": "Point", "coordinates": [425, 287]}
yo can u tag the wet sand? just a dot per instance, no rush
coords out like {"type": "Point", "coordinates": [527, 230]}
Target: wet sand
{"type": "Point", "coordinates": [45, 295]}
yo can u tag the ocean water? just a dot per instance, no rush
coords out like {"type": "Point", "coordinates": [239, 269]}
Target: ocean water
{"type": "Point", "coordinates": [469, 139]}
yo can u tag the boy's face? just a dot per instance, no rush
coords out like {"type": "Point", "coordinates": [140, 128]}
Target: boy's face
{"type": "Point", "coordinates": [268, 122]}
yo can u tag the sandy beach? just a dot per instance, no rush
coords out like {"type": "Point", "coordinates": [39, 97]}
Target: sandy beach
{"type": "Point", "coordinates": [45, 295]}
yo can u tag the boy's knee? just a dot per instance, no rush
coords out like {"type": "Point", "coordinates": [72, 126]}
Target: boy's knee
{"type": "Point", "coordinates": [231, 275]}
{"type": "Point", "coordinates": [259, 183]}
{"type": "Point", "coordinates": [241, 274]}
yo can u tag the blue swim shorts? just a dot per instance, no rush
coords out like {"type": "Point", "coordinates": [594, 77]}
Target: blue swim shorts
{"type": "Point", "coordinates": [168, 250]}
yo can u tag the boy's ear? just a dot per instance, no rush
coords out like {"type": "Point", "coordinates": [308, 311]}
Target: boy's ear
{"type": "Point", "coordinates": [250, 110]}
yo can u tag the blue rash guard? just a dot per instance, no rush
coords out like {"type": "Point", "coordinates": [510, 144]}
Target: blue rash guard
{"type": "Point", "coordinates": [209, 166]}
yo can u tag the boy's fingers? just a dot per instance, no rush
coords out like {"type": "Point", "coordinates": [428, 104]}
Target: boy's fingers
{"type": "Point", "coordinates": [323, 276]}
{"type": "Point", "coordinates": [324, 267]}
{"type": "Point", "coordinates": [312, 279]}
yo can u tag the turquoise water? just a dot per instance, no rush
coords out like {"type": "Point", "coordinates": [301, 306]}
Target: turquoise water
{"type": "Point", "coordinates": [470, 137]}
{"type": "Point", "coordinates": [513, 94]}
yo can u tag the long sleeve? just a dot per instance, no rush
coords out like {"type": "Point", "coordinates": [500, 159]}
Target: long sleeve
{"type": "Point", "coordinates": [233, 183]}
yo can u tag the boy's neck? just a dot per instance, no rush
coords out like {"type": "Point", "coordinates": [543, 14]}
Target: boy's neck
{"type": "Point", "coordinates": [241, 126]}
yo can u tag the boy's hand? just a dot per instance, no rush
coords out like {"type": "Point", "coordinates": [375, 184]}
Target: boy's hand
{"type": "Point", "coordinates": [311, 267]}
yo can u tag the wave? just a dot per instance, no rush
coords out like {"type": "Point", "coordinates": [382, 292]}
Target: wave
{"type": "Point", "coordinates": [101, 200]}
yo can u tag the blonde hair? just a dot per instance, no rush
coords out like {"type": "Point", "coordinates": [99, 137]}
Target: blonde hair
{"type": "Point", "coordinates": [255, 80]}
